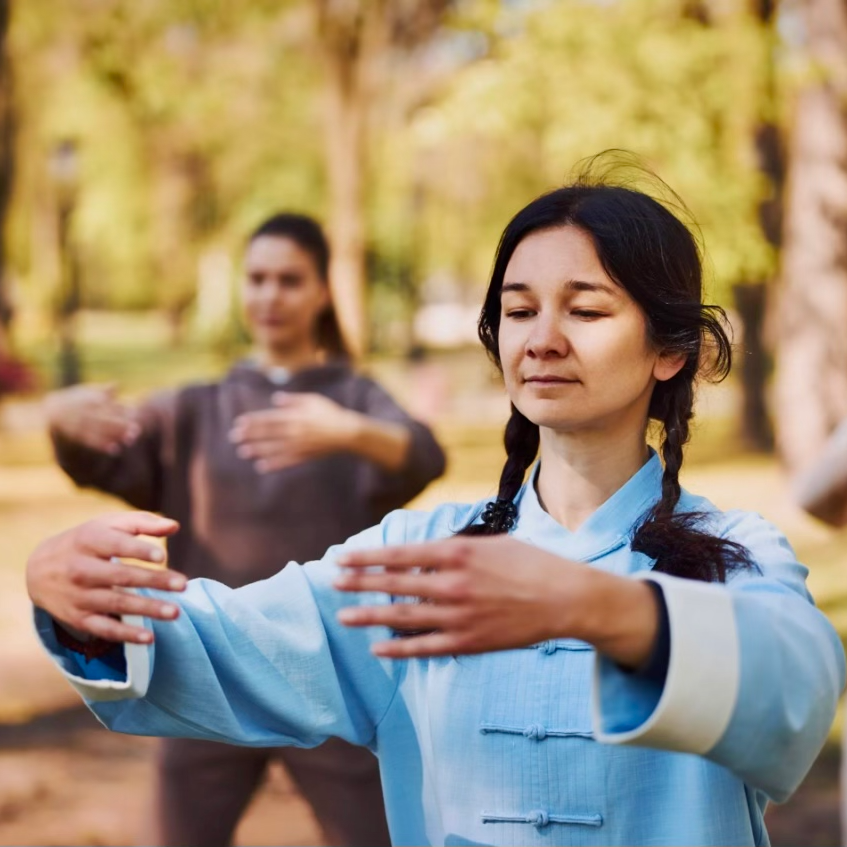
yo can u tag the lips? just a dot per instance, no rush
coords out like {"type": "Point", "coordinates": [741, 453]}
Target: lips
{"type": "Point", "coordinates": [549, 380]}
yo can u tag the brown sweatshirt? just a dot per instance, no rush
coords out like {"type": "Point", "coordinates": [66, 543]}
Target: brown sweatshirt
{"type": "Point", "coordinates": [239, 526]}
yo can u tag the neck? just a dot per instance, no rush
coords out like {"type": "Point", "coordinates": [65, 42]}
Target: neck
{"type": "Point", "coordinates": [580, 471]}
{"type": "Point", "coordinates": [291, 360]}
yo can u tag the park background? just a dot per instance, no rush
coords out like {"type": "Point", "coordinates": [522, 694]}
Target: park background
{"type": "Point", "coordinates": [141, 141]}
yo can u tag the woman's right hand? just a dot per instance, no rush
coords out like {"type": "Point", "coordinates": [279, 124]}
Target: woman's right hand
{"type": "Point", "coordinates": [74, 576]}
{"type": "Point", "coordinates": [90, 415]}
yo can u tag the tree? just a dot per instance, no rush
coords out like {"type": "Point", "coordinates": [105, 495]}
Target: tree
{"type": "Point", "coordinates": [751, 296]}
{"type": "Point", "coordinates": [7, 166]}
{"type": "Point", "coordinates": [356, 39]}
{"type": "Point", "coordinates": [811, 378]}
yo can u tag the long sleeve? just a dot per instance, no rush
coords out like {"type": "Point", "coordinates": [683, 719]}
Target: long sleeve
{"type": "Point", "coordinates": [267, 664]}
{"type": "Point", "coordinates": [754, 675]}
{"type": "Point", "coordinates": [136, 474]}
{"type": "Point", "coordinates": [425, 460]}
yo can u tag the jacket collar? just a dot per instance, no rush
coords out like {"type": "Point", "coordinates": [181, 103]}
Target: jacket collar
{"type": "Point", "coordinates": [607, 529]}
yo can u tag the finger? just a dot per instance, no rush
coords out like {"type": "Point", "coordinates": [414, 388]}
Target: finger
{"type": "Point", "coordinates": [282, 461]}
{"type": "Point", "coordinates": [402, 584]}
{"type": "Point", "coordinates": [261, 449]}
{"type": "Point", "coordinates": [419, 646]}
{"type": "Point", "coordinates": [142, 523]}
{"type": "Point", "coordinates": [93, 573]}
{"type": "Point", "coordinates": [281, 399]}
{"type": "Point", "coordinates": [111, 602]}
{"type": "Point", "coordinates": [435, 555]}
{"type": "Point", "coordinates": [258, 429]}
{"type": "Point", "coordinates": [108, 543]}
{"type": "Point", "coordinates": [401, 616]}
{"type": "Point", "coordinates": [114, 630]}
{"type": "Point", "coordinates": [112, 430]}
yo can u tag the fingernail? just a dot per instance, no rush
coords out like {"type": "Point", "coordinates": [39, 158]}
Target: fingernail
{"type": "Point", "coordinates": [347, 615]}
{"type": "Point", "coordinates": [262, 466]}
{"type": "Point", "coordinates": [157, 555]}
{"type": "Point", "coordinates": [145, 638]}
{"type": "Point", "coordinates": [243, 452]}
{"type": "Point", "coordinates": [176, 583]}
{"type": "Point", "coordinates": [170, 611]}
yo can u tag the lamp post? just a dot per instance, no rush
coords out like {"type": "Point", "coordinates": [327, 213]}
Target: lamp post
{"type": "Point", "coordinates": [64, 173]}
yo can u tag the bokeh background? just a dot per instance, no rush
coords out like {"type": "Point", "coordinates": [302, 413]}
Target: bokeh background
{"type": "Point", "coordinates": [141, 141]}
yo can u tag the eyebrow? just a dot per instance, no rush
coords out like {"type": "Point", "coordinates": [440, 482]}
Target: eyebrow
{"type": "Point", "coordinates": [573, 284]}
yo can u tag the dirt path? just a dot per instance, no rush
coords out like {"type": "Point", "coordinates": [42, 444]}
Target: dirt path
{"type": "Point", "coordinates": [64, 780]}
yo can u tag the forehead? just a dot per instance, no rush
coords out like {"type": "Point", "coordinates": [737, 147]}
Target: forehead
{"type": "Point", "coordinates": [556, 256]}
{"type": "Point", "coordinates": [276, 251]}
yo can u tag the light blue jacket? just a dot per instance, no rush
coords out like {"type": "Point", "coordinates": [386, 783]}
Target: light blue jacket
{"type": "Point", "coordinates": [540, 746]}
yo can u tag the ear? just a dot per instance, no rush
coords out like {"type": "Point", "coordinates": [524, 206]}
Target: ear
{"type": "Point", "coordinates": [668, 365]}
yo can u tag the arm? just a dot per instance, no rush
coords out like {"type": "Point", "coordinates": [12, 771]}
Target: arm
{"type": "Point", "coordinates": [403, 455]}
{"type": "Point", "coordinates": [754, 671]}
{"type": "Point", "coordinates": [754, 675]}
{"type": "Point", "coordinates": [423, 460]}
{"type": "Point", "coordinates": [266, 664]}
{"type": "Point", "coordinates": [822, 488]}
{"type": "Point", "coordinates": [105, 445]}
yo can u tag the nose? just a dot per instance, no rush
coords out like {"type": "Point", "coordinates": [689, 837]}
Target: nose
{"type": "Point", "coordinates": [546, 338]}
{"type": "Point", "coordinates": [269, 292]}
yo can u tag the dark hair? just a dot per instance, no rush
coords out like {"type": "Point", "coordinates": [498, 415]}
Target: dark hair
{"type": "Point", "coordinates": [648, 251]}
{"type": "Point", "coordinates": [306, 232]}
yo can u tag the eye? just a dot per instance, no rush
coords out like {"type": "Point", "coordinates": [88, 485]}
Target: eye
{"type": "Point", "coordinates": [588, 314]}
{"type": "Point", "coordinates": [290, 280]}
{"type": "Point", "coordinates": [519, 314]}
{"type": "Point", "coordinates": [255, 279]}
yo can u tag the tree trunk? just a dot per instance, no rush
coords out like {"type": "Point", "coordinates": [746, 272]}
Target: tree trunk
{"type": "Point", "coordinates": [811, 383]}
{"type": "Point", "coordinates": [750, 299]}
{"type": "Point", "coordinates": [346, 105]}
{"type": "Point", "coordinates": [7, 166]}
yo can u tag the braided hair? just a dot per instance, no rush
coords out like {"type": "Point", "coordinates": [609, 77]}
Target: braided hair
{"type": "Point", "coordinates": [647, 250]}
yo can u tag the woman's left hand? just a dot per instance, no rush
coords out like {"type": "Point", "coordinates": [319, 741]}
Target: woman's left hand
{"type": "Point", "coordinates": [301, 426]}
{"type": "Point", "coordinates": [497, 593]}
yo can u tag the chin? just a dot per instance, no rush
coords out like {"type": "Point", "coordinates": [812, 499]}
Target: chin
{"type": "Point", "coordinates": [552, 415]}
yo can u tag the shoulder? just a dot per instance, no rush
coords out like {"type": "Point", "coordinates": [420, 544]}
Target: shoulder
{"type": "Point", "coordinates": [768, 546]}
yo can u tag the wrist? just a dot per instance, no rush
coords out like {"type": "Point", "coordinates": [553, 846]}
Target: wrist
{"type": "Point", "coordinates": [352, 432]}
{"type": "Point", "coordinates": [619, 616]}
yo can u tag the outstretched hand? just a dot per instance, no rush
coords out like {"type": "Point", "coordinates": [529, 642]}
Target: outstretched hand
{"type": "Point", "coordinates": [478, 594]}
{"type": "Point", "coordinates": [92, 416]}
{"type": "Point", "coordinates": [483, 594]}
{"type": "Point", "coordinates": [299, 427]}
{"type": "Point", "coordinates": [76, 578]}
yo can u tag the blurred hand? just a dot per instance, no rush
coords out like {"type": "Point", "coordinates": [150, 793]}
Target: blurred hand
{"type": "Point", "coordinates": [73, 578]}
{"type": "Point", "coordinates": [90, 415]}
{"type": "Point", "coordinates": [298, 428]}
{"type": "Point", "coordinates": [483, 594]}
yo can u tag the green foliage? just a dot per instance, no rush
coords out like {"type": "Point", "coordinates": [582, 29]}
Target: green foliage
{"type": "Point", "coordinates": [581, 77]}
{"type": "Point", "coordinates": [196, 118]}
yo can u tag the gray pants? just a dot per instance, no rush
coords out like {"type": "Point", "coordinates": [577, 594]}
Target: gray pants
{"type": "Point", "coordinates": [204, 787]}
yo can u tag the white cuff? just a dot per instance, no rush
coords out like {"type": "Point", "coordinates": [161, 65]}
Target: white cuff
{"type": "Point", "coordinates": [137, 656]}
{"type": "Point", "coordinates": [701, 687]}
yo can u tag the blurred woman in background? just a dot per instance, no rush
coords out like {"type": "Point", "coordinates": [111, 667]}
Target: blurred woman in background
{"type": "Point", "coordinates": [289, 453]}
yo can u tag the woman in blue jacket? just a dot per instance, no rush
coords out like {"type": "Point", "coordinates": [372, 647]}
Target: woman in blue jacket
{"type": "Point", "coordinates": [595, 656]}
